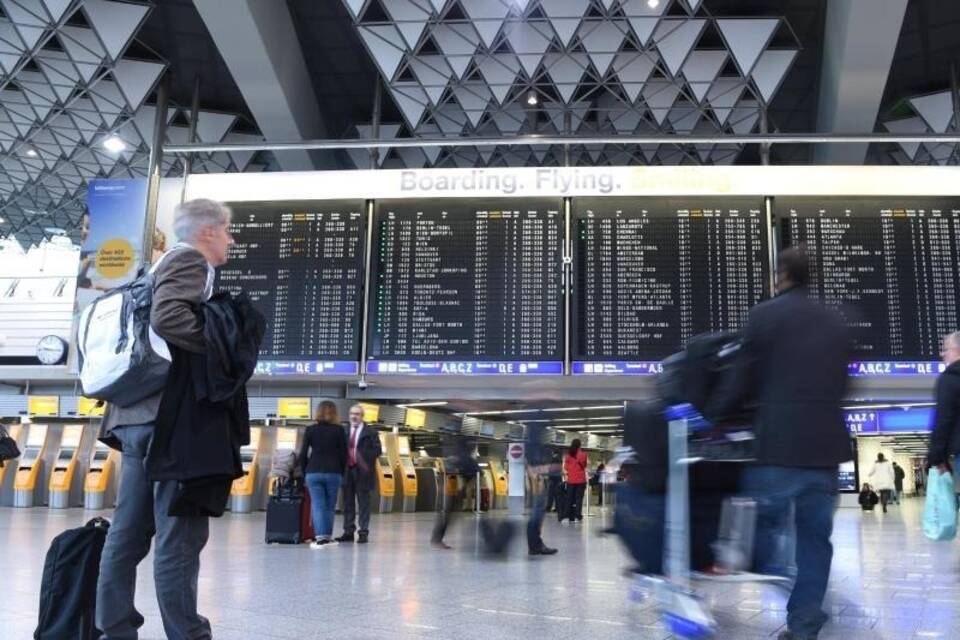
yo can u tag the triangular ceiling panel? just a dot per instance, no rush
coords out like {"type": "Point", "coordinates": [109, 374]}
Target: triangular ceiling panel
{"type": "Point", "coordinates": [510, 119]}
{"type": "Point", "coordinates": [500, 70]}
{"type": "Point", "coordinates": [412, 100]}
{"type": "Point", "coordinates": [694, 5]}
{"type": "Point", "coordinates": [212, 126]}
{"type": "Point", "coordinates": [907, 126]}
{"type": "Point", "coordinates": [745, 116]}
{"type": "Point", "coordinates": [108, 100]}
{"type": "Point", "coordinates": [355, 7]}
{"type": "Point", "coordinates": [487, 17]}
{"type": "Point", "coordinates": [684, 118]}
{"type": "Point", "coordinates": [565, 16]}
{"type": "Point", "coordinates": [56, 8]}
{"type": "Point", "coordinates": [84, 49]}
{"type": "Point", "coordinates": [29, 23]}
{"type": "Point", "coordinates": [114, 22]}
{"type": "Point", "coordinates": [936, 109]}
{"type": "Point", "coordinates": [675, 39]}
{"type": "Point", "coordinates": [451, 119]}
{"type": "Point", "coordinates": [566, 70]}
{"type": "Point", "coordinates": [411, 19]}
{"type": "Point", "coordinates": [136, 78]}
{"type": "Point", "coordinates": [602, 40]}
{"type": "Point", "coordinates": [8, 62]}
{"type": "Point", "coordinates": [747, 38]}
{"type": "Point", "coordinates": [723, 96]}
{"type": "Point", "coordinates": [660, 94]}
{"type": "Point", "coordinates": [634, 70]}
{"type": "Point", "coordinates": [771, 69]}
{"type": "Point", "coordinates": [701, 69]}
{"type": "Point", "coordinates": [529, 40]}
{"type": "Point", "coordinates": [474, 97]}
{"type": "Point", "coordinates": [433, 72]}
{"type": "Point", "coordinates": [429, 130]}
{"type": "Point", "coordinates": [578, 111]}
{"type": "Point", "coordinates": [386, 45]}
{"type": "Point", "coordinates": [458, 42]}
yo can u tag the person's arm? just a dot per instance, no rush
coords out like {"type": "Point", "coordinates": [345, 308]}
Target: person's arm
{"type": "Point", "coordinates": [943, 424]}
{"type": "Point", "coordinates": [342, 453]}
{"type": "Point", "coordinates": [177, 295]}
{"type": "Point", "coordinates": [305, 451]}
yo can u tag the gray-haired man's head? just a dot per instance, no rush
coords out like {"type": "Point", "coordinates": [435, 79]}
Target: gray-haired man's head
{"type": "Point", "coordinates": [204, 224]}
{"type": "Point", "coordinates": [950, 351]}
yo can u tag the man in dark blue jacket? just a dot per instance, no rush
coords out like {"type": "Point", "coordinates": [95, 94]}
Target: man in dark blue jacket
{"type": "Point", "coordinates": [943, 441]}
{"type": "Point", "coordinates": [794, 366]}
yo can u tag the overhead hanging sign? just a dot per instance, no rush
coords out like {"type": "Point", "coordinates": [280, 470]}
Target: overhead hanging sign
{"type": "Point", "coordinates": [371, 412]}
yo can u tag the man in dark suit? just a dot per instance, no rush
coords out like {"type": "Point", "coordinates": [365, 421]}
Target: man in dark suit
{"type": "Point", "coordinates": [946, 425]}
{"type": "Point", "coordinates": [363, 449]}
{"type": "Point", "coordinates": [795, 358]}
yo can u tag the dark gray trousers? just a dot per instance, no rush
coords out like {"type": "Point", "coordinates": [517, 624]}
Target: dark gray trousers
{"type": "Point", "coordinates": [141, 515]}
{"type": "Point", "coordinates": [356, 495]}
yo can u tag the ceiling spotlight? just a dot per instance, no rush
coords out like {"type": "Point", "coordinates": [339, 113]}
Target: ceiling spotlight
{"type": "Point", "coordinates": [32, 153]}
{"type": "Point", "coordinates": [114, 144]}
{"type": "Point", "coordinates": [532, 98]}
{"type": "Point", "coordinates": [653, 4]}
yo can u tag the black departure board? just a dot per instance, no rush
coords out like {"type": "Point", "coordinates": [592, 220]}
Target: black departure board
{"type": "Point", "coordinates": [467, 287]}
{"type": "Point", "coordinates": [302, 264]}
{"type": "Point", "coordinates": [890, 266]}
{"type": "Point", "coordinates": [649, 273]}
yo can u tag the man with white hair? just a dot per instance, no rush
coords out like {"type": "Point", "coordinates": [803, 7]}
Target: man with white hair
{"type": "Point", "coordinates": [363, 449]}
{"type": "Point", "coordinates": [183, 281]}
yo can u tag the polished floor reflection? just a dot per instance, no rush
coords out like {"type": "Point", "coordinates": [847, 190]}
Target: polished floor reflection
{"type": "Point", "coordinates": [888, 582]}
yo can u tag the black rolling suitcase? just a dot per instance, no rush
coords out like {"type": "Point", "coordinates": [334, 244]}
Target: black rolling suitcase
{"type": "Point", "coordinates": [68, 591]}
{"type": "Point", "coordinates": [283, 514]}
{"type": "Point", "coordinates": [563, 502]}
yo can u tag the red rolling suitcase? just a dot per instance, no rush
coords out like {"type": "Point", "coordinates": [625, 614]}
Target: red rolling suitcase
{"type": "Point", "coordinates": [306, 518]}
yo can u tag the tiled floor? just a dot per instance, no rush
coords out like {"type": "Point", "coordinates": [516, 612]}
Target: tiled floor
{"type": "Point", "coordinates": [889, 582]}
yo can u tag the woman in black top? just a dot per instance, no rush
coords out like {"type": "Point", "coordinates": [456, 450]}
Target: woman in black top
{"type": "Point", "coordinates": [324, 459]}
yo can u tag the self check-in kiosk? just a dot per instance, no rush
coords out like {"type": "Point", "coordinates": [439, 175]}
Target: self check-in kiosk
{"type": "Point", "coordinates": [100, 485]}
{"type": "Point", "coordinates": [500, 484]}
{"type": "Point", "coordinates": [397, 448]}
{"type": "Point", "coordinates": [30, 486]}
{"type": "Point", "coordinates": [428, 483]}
{"type": "Point", "coordinates": [385, 487]}
{"type": "Point", "coordinates": [244, 489]}
{"type": "Point", "coordinates": [65, 476]}
{"type": "Point", "coordinates": [9, 471]}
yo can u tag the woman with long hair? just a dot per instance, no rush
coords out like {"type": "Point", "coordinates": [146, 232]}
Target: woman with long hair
{"type": "Point", "coordinates": [323, 459]}
{"type": "Point", "coordinates": [575, 469]}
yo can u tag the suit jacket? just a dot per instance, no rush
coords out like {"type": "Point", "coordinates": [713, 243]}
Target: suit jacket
{"type": "Point", "coordinates": [181, 285]}
{"type": "Point", "coordinates": [944, 440]}
{"type": "Point", "coordinates": [368, 450]}
{"type": "Point", "coordinates": [794, 365]}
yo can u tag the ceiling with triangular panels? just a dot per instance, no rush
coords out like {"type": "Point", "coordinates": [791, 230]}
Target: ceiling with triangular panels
{"type": "Point", "coordinates": [595, 67]}
{"type": "Point", "coordinates": [929, 113]}
{"type": "Point", "coordinates": [65, 86]}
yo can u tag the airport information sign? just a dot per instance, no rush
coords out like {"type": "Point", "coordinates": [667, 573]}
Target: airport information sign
{"type": "Point", "coordinates": [649, 273]}
{"type": "Point", "coordinates": [890, 266]}
{"type": "Point", "coordinates": [302, 264]}
{"type": "Point", "coordinates": [467, 287]}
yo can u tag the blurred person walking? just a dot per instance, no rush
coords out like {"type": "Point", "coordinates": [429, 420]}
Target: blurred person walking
{"type": "Point", "coordinates": [539, 466]}
{"type": "Point", "coordinates": [883, 478]}
{"type": "Point", "coordinates": [945, 439]}
{"type": "Point", "coordinates": [575, 469]}
{"type": "Point", "coordinates": [793, 364]}
{"type": "Point", "coordinates": [898, 475]}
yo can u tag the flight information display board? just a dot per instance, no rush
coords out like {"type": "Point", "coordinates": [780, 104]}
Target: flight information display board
{"type": "Point", "coordinates": [302, 266]}
{"type": "Point", "coordinates": [649, 273]}
{"type": "Point", "coordinates": [467, 287]}
{"type": "Point", "coordinates": [890, 266]}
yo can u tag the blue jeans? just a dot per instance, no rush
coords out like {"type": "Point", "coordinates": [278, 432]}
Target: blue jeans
{"type": "Point", "coordinates": [814, 495]}
{"type": "Point", "coordinates": [323, 501]}
{"type": "Point", "coordinates": [141, 515]}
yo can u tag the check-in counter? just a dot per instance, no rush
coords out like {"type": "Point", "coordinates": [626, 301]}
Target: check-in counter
{"type": "Point", "coordinates": [29, 481]}
{"type": "Point", "coordinates": [100, 485]}
{"type": "Point", "coordinates": [9, 471]}
{"type": "Point", "coordinates": [500, 485]}
{"type": "Point", "coordinates": [384, 488]}
{"type": "Point", "coordinates": [244, 489]}
{"type": "Point", "coordinates": [65, 467]}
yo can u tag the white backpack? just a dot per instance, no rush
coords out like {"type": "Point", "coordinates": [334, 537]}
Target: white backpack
{"type": "Point", "coordinates": [122, 359]}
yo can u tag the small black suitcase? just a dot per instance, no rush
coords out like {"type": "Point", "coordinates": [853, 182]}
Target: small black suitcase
{"type": "Point", "coordinates": [68, 590]}
{"type": "Point", "coordinates": [284, 513]}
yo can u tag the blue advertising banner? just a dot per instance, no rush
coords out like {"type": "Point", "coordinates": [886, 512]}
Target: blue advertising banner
{"type": "Point", "coordinates": [867, 422]}
{"type": "Point", "coordinates": [111, 235]}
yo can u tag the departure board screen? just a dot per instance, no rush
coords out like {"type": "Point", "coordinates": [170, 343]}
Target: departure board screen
{"type": "Point", "coordinates": [302, 266]}
{"type": "Point", "coordinates": [649, 273]}
{"type": "Point", "coordinates": [467, 287]}
{"type": "Point", "coordinates": [890, 266]}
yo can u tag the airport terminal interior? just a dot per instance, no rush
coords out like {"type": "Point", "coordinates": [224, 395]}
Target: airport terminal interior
{"type": "Point", "coordinates": [492, 232]}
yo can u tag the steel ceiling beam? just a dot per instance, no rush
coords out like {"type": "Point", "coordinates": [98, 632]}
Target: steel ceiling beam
{"type": "Point", "coordinates": [751, 138]}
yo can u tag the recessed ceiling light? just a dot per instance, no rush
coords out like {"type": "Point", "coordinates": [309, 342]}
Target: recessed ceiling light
{"type": "Point", "coordinates": [32, 153]}
{"type": "Point", "coordinates": [532, 98]}
{"type": "Point", "coordinates": [653, 4]}
{"type": "Point", "coordinates": [114, 144]}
